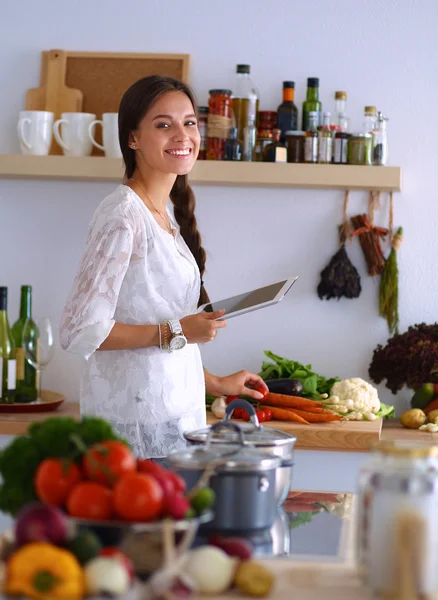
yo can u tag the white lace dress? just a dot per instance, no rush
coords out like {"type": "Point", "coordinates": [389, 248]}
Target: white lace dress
{"type": "Point", "coordinates": [136, 273]}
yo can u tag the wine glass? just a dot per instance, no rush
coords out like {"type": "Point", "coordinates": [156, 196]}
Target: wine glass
{"type": "Point", "coordinates": [39, 346]}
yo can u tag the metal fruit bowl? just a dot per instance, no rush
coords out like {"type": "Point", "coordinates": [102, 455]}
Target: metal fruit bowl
{"type": "Point", "coordinates": [142, 542]}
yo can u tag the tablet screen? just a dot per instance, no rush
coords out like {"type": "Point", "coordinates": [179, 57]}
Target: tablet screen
{"type": "Point", "coordinates": [246, 300]}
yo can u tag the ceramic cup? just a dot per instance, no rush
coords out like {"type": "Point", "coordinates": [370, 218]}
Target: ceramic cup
{"type": "Point", "coordinates": [73, 137]}
{"type": "Point", "coordinates": [34, 130]}
{"type": "Point", "coordinates": [110, 127]}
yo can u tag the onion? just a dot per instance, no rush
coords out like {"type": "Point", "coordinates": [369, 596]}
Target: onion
{"type": "Point", "coordinates": [38, 522]}
{"type": "Point", "coordinates": [211, 569]}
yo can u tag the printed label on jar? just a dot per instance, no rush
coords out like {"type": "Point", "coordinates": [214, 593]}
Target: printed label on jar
{"type": "Point", "coordinates": [12, 370]}
{"type": "Point", "coordinates": [325, 150]}
{"type": "Point", "coordinates": [218, 127]}
{"type": "Point", "coordinates": [20, 358]}
{"type": "Point", "coordinates": [341, 147]}
{"type": "Point", "coordinates": [311, 149]}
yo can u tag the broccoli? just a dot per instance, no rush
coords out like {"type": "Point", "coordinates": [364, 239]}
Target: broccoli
{"type": "Point", "coordinates": [52, 438]}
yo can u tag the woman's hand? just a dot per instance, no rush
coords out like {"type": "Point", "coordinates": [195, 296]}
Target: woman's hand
{"type": "Point", "coordinates": [202, 327]}
{"type": "Point", "coordinates": [236, 385]}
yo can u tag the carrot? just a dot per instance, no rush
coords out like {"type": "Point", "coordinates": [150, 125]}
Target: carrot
{"type": "Point", "coordinates": [285, 415]}
{"type": "Point", "coordinates": [284, 401]}
{"type": "Point", "coordinates": [326, 417]}
{"type": "Point", "coordinates": [431, 406]}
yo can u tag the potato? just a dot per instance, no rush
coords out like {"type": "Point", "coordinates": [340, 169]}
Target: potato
{"type": "Point", "coordinates": [413, 418]}
{"type": "Point", "coordinates": [432, 416]}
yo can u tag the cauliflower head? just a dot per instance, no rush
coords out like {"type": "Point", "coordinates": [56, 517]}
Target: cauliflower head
{"type": "Point", "coordinates": [356, 394]}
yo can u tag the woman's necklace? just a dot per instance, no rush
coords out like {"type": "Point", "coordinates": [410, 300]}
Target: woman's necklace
{"type": "Point", "coordinates": [165, 221]}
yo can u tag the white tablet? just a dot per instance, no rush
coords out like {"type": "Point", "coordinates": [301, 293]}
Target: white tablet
{"type": "Point", "coordinates": [250, 301]}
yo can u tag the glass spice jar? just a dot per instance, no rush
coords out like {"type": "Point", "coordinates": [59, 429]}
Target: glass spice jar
{"type": "Point", "coordinates": [219, 123]}
{"type": "Point", "coordinates": [398, 495]}
{"type": "Point", "coordinates": [202, 126]}
{"type": "Point", "coordinates": [295, 146]}
{"type": "Point", "coordinates": [340, 155]}
{"type": "Point", "coordinates": [360, 147]}
{"type": "Point", "coordinates": [267, 122]}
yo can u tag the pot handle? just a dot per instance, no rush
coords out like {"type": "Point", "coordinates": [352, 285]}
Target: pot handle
{"type": "Point", "coordinates": [240, 403]}
{"type": "Point", "coordinates": [225, 425]}
{"type": "Point", "coordinates": [287, 462]}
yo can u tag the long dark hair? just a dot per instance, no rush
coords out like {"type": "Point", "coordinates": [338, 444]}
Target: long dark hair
{"type": "Point", "coordinates": [135, 103]}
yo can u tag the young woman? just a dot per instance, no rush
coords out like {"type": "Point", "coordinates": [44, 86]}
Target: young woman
{"type": "Point", "coordinates": [132, 312]}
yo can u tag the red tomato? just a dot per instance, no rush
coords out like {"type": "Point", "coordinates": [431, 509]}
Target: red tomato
{"type": "Point", "coordinates": [178, 482]}
{"type": "Point", "coordinates": [54, 480]}
{"type": "Point", "coordinates": [268, 414]}
{"type": "Point", "coordinates": [245, 415]}
{"type": "Point", "coordinates": [261, 415]}
{"type": "Point", "coordinates": [106, 462]}
{"type": "Point", "coordinates": [146, 465]}
{"type": "Point", "coordinates": [238, 413]}
{"type": "Point", "coordinates": [89, 500]}
{"type": "Point", "coordinates": [112, 552]}
{"type": "Point", "coordinates": [138, 497]}
{"type": "Point", "coordinates": [231, 398]}
{"type": "Point", "coordinates": [262, 389]}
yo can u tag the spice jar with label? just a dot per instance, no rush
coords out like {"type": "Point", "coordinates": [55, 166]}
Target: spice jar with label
{"type": "Point", "coordinates": [397, 520]}
{"type": "Point", "coordinates": [340, 155]}
{"type": "Point", "coordinates": [219, 123]}
{"type": "Point", "coordinates": [295, 146]}
{"type": "Point", "coordinates": [311, 138]}
{"type": "Point", "coordinates": [325, 142]}
{"type": "Point", "coordinates": [360, 146]}
{"type": "Point", "coordinates": [202, 126]}
{"type": "Point", "coordinates": [275, 151]}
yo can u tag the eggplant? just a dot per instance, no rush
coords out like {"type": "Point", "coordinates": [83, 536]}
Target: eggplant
{"type": "Point", "coordinates": [290, 387]}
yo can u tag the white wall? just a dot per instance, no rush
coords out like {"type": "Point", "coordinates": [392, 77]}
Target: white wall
{"type": "Point", "coordinates": [382, 52]}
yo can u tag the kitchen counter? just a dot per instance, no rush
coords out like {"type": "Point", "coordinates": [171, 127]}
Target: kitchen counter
{"type": "Point", "coordinates": [18, 423]}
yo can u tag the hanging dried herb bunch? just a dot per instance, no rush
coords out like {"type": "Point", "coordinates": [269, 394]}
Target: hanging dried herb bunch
{"type": "Point", "coordinates": [409, 359]}
{"type": "Point", "coordinates": [370, 236]}
{"type": "Point", "coordinates": [340, 277]}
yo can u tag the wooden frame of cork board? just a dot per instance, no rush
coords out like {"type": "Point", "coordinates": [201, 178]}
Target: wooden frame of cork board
{"type": "Point", "coordinates": [103, 77]}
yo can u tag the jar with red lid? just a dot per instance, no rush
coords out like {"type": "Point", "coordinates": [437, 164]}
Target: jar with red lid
{"type": "Point", "coordinates": [219, 122]}
{"type": "Point", "coordinates": [267, 122]}
{"type": "Point", "coordinates": [202, 126]}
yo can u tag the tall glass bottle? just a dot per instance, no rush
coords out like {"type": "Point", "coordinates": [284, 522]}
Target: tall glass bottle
{"type": "Point", "coordinates": [325, 141]}
{"type": "Point", "coordinates": [287, 112]}
{"type": "Point", "coordinates": [311, 103]}
{"type": "Point", "coordinates": [26, 389]}
{"type": "Point", "coordinates": [341, 119]}
{"type": "Point", "coordinates": [7, 352]}
{"type": "Point", "coordinates": [370, 119]}
{"type": "Point", "coordinates": [245, 99]}
{"type": "Point", "coordinates": [249, 141]}
{"type": "Point", "coordinates": [311, 139]}
{"type": "Point", "coordinates": [380, 141]}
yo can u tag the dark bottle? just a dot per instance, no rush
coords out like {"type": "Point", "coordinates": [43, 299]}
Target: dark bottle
{"type": "Point", "coordinates": [311, 103]}
{"type": "Point", "coordinates": [276, 150]}
{"type": "Point", "coordinates": [26, 385]}
{"type": "Point", "coordinates": [287, 112]}
{"type": "Point", "coordinates": [233, 147]}
{"type": "Point", "coordinates": [7, 352]}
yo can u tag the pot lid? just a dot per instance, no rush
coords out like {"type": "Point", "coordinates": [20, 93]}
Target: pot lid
{"type": "Point", "coordinates": [226, 458]}
{"type": "Point", "coordinates": [260, 437]}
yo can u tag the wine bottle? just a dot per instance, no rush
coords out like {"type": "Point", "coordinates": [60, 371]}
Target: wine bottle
{"type": "Point", "coordinates": [7, 352]}
{"type": "Point", "coordinates": [26, 389]}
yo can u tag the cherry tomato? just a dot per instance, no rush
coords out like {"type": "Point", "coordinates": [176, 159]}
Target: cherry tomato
{"type": "Point", "coordinates": [261, 415]}
{"type": "Point", "coordinates": [138, 497]}
{"type": "Point", "coordinates": [112, 552]}
{"type": "Point", "coordinates": [90, 500]}
{"type": "Point", "coordinates": [238, 413]}
{"type": "Point", "coordinates": [268, 414]}
{"type": "Point", "coordinates": [230, 399]}
{"type": "Point", "coordinates": [262, 389]}
{"type": "Point", "coordinates": [54, 480]}
{"type": "Point", "coordinates": [107, 461]}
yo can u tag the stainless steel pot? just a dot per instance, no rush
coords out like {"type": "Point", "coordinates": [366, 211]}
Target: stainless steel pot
{"type": "Point", "coordinates": [271, 442]}
{"type": "Point", "coordinates": [243, 481]}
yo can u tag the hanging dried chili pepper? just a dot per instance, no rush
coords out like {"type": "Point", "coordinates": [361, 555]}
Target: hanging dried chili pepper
{"type": "Point", "coordinates": [340, 278]}
{"type": "Point", "coordinates": [370, 236]}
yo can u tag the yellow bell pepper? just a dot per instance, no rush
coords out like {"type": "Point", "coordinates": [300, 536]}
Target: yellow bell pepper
{"type": "Point", "coordinates": [44, 572]}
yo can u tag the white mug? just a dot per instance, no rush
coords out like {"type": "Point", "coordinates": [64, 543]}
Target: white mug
{"type": "Point", "coordinates": [110, 127]}
{"type": "Point", "coordinates": [74, 138]}
{"type": "Point", "coordinates": [34, 130]}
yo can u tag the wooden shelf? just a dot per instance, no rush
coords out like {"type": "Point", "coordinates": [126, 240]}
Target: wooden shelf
{"type": "Point", "coordinates": [338, 177]}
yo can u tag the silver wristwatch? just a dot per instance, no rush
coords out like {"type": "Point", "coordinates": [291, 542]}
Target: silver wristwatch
{"type": "Point", "coordinates": [178, 339]}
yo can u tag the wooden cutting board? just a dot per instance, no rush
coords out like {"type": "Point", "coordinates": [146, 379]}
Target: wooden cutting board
{"type": "Point", "coordinates": [53, 95]}
{"type": "Point", "coordinates": [352, 436]}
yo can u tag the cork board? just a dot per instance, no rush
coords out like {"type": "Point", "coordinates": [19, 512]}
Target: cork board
{"type": "Point", "coordinates": [103, 77]}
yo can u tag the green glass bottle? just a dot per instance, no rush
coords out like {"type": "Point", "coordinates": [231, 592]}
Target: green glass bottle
{"type": "Point", "coordinates": [311, 103]}
{"type": "Point", "coordinates": [26, 390]}
{"type": "Point", "coordinates": [7, 353]}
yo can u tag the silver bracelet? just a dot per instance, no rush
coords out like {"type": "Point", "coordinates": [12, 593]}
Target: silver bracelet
{"type": "Point", "coordinates": [159, 336]}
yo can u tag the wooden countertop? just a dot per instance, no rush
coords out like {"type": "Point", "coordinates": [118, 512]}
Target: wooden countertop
{"type": "Point", "coordinates": [18, 423]}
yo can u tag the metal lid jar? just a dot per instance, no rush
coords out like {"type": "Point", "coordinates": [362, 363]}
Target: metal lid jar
{"type": "Point", "coordinates": [398, 496]}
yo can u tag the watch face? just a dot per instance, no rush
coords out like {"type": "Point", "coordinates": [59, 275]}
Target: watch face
{"type": "Point", "coordinates": [178, 342]}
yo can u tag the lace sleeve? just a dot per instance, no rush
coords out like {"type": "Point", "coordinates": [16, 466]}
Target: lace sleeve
{"type": "Point", "coordinates": [88, 315]}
